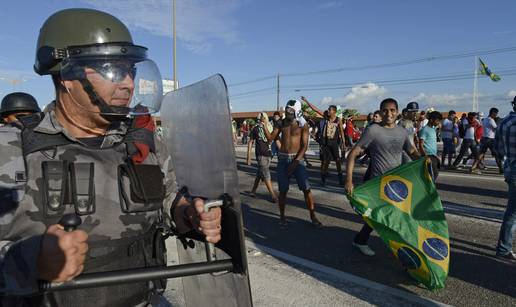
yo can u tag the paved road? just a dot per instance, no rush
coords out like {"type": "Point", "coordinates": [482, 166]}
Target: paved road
{"type": "Point", "coordinates": [279, 279]}
{"type": "Point", "coordinates": [474, 207]}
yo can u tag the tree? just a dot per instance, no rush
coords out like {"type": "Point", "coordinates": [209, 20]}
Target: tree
{"type": "Point", "coordinates": [349, 112]}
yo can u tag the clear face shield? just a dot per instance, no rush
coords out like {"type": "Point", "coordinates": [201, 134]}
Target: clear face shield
{"type": "Point", "coordinates": [120, 80]}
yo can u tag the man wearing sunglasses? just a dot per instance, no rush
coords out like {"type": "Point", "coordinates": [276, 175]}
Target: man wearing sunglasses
{"type": "Point", "coordinates": [93, 153]}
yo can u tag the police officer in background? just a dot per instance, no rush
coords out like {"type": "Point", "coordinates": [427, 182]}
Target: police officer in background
{"type": "Point", "coordinates": [93, 153]}
{"type": "Point", "coordinates": [17, 104]}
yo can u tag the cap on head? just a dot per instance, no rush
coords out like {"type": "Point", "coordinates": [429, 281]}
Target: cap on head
{"type": "Point", "coordinates": [412, 106]}
{"type": "Point", "coordinates": [18, 102]}
{"type": "Point", "coordinates": [71, 28]}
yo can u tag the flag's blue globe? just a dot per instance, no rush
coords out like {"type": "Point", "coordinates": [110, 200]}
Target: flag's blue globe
{"type": "Point", "coordinates": [396, 190]}
{"type": "Point", "coordinates": [435, 248]}
{"type": "Point", "coordinates": [408, 258]}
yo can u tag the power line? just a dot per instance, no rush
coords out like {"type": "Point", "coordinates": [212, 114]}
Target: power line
{"type": "Point", "coordinates": [252, 95]}
{"type": "Point", "coordinates": [252, 92]}
{"type": "Point", "coordinates": [394, 82]}
{"type": "Point", "coordinates": [402, 63]}
{"type": "Point", "coordinates": [401, 82]}
{"type": "Point", "coordinates": [386, 65]}
{"type": "Point", "coordinates": [252, 81]}
{"type": "Point", "coordinates": [424, 78]}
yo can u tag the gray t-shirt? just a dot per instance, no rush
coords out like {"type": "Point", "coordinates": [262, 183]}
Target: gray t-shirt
{"type": "Point", "coordinates": [385, 146]}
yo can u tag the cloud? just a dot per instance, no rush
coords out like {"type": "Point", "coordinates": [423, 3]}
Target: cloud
{"type": "Point", "coordinates": [11, 75]}
{"type": "Point", "coordinates": [503, 33]}
{"type": "Point", "coordinates": [199, 22]}
{"type": "Point", "coordinates": [9, 37]}
{"type": "Point", "coordinates": [438, 101]}
{"type": "Point", "coordinates": [464, 102]}
{"type": "Point", "coordinates": [364, 97]}
{"type": "Point", "coordinates": [330, 4]}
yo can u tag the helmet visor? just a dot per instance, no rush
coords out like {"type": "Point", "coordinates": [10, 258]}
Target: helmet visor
{"type": "Point", "coordinates": [127, 86]}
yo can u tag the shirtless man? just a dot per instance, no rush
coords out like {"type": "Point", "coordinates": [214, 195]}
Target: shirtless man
{"type": "Point", "coordinates": [294, 143]}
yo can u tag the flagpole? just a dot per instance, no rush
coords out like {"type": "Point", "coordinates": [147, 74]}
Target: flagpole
{"type": "Point", "coordinates": [475, 86]}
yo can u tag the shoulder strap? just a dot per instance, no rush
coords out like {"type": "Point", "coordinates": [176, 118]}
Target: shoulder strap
{"type": "Point", "coordinates": [33, 141]}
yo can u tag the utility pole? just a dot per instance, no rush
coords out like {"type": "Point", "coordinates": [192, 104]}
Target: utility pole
{"type": "Point", "coordinates": [176, 84]}
{"type": "Point", "coordinates": [277, 92]}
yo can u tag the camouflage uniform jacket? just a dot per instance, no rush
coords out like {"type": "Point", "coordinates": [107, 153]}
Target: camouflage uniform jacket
{"type": "Point", "coordinates": [23, 220]}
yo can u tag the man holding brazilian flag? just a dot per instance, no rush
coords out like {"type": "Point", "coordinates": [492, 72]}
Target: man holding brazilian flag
{"type": "Point", "coordinates": [400, 202]}
{"type": "Point", "coordinates": [404, 208]}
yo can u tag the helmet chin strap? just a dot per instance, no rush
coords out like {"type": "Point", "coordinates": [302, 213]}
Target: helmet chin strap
{"type": "Point", "coordinates": [109, 113]}
{"type": "Point", "coordinates": [95, 131]}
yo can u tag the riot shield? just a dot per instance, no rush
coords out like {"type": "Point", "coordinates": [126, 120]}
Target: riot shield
{"type": "Point", "coordinates": [197, 128]}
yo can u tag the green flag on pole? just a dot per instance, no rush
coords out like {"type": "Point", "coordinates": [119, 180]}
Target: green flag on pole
{"type": "Point", "coordinates": [484, 70]}
{"type": "Point", "coordinates": [405, 210]}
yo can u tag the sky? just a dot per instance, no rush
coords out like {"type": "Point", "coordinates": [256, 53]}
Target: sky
{"type": "Point", "coordinates": [345, 42]}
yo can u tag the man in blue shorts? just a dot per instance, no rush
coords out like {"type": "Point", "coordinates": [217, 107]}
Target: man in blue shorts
{"type": "Point", "coordinates": [294, 143]}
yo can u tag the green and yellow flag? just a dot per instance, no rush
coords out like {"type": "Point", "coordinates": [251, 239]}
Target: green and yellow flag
{"type": "Point", "coordinates": [484, 70]}
{"type": "Point", "coordinates": [404, 208]}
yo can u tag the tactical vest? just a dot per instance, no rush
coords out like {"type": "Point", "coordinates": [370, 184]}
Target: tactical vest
{"type": "Point", "coordinates": [119, 207]}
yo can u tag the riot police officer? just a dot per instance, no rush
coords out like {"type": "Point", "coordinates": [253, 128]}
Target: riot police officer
{"type": "Point", "coordinates": [17, 104]}
{"type": "Point", "coordinates": [94, 153]}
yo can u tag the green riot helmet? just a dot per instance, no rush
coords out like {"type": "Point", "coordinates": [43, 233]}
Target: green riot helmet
{"type": "Point", "coordinates": [18, 102]}
{"type": "Point", "coordinates": [91, 46]}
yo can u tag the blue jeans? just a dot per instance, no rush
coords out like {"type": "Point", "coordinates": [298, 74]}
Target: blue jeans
{"type": "Point", "coordinates": [509, 219]}
{"type": "Point", "coordinates": [300, 173]}
{"type": "Point", "coordinates": [274, 148]}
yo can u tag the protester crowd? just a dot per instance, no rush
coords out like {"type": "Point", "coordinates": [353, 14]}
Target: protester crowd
{"type": "Point", "coordinates": [390, 138]}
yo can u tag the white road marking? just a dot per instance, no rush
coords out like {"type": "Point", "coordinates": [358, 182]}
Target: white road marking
{"type": "Point", "coordinates": [469, 176]}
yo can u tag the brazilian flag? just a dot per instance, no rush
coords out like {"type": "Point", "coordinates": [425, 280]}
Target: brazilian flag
{"type": "Point", "coordinates": [404, 208]}
{"type": "Point", "coordinates": [484, 70]}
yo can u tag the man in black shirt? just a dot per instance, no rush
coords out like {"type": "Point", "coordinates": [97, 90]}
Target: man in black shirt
{"type": "Point", "coordinates": [332, 135]}
{"type": "Point", "coordinates": [263, 154]}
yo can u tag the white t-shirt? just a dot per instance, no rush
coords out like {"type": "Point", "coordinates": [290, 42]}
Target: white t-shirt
{"type": "Point", "coordinates": [470, 132]}
{"type": "Point", "coordinates": [423, 123]}
{"type": "Point", "coordinates": [447, 129]}
{"type": "Point", "coordinates": [489, 127]}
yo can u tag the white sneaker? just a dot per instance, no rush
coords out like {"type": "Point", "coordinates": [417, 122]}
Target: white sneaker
{"type": "Point", "coordinates": [364, 249]}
